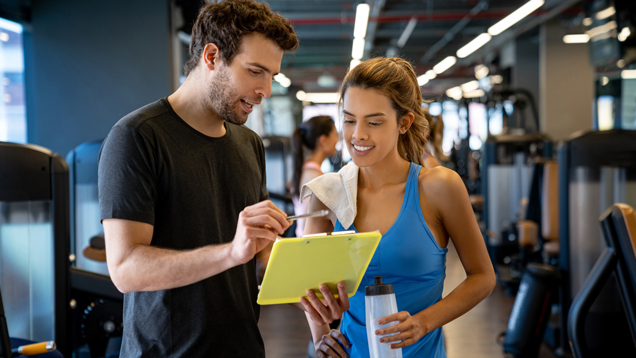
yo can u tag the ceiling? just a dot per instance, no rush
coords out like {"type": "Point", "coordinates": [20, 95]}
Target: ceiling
{"type": "Point", "coordinates": [325, 30]}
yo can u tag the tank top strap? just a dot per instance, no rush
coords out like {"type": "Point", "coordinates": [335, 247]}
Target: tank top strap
{"type": "Point", "coordinates": [311, 165]}
{"type": "Point", "coordinates": [412, 184]}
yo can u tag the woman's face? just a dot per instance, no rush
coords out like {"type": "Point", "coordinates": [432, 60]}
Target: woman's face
{"type": "Point", "coordinates": [330, 142]}
{"type": "Point", "coordinates": [370, 126]}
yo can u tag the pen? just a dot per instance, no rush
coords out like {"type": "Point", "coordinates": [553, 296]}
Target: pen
{"type": "Point", "coordinates": [321, 213]}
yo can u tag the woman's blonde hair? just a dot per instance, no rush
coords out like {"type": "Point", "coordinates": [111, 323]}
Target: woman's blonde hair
{"type": "Point", "coordinates": [396, 79]}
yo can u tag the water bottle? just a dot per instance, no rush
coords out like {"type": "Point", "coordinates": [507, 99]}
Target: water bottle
{"type": "Point", "coordinates": [380, 302]}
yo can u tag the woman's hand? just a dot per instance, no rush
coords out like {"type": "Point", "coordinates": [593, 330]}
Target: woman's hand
{"type": "Point", "coordinates": [328, 345]}
{"type": "Point", "coordinates": [328, 310]}
{"type": "Point", "coordinates": [410, 329]}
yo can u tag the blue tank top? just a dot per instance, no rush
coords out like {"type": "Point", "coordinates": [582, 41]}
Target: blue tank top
{"type": "Point", "coordinates": [409, 258]}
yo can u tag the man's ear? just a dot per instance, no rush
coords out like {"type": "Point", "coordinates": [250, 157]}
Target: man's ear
{"type": "Point", "coordinates": [405, 122]}
{"type": "Point", "coordinates": [211, 56]}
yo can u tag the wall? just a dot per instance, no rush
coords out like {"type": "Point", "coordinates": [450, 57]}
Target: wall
{"type": "Point", "coordinates": [567, 84]}
{"type": "Point", "coordinates": [89, 63]}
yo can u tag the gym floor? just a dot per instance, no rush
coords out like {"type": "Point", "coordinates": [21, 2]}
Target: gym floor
{"type": "Point", "coordinates": [286, 334]}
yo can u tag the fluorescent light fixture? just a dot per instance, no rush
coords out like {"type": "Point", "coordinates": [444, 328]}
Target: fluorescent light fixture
{"type": "Point", "coordinates": [407, 32]}
{"type": "Point", "coordinates": [481, 71]}
{"type": "Point", "coordinates": [628, 74]}
{"type": "Point", "coordinates": [301, 95]}
{"type": "Point", "coordinates": [10, 26]}
{"type": "Point", "coordinates": [604, 14]}
{"type": "Point", "coordinates": [625, 32]}
{"type": "Point", "coordinates": [362, 19]}
{"type": "Point", "coordinates": [599, 30]}
{"type": "Point", "coordinates": [422, 80]}
{"type": "Point", "coordinates": [620, 63]}
{"type": "Point", "coordinates": [354, 62]}
{"type": "Point", "coordinates": [474, 94]}
{"type": "Point", "coordinates": [455, 93]}
{"type": "Point", "coordinates": [470, 86]}
{"type": "Point", "coordinates": [525, 10]}
{"type": "Point", "coordinates": [4, 36]}
{"type": "Point", "coordinates": [358, 48]}
{"type": "Point", "coordinates": [474, 45]}
{"type": "Point", "coordinates": [496, 79]}
{"type": "Point", "coordinates": [587, 21]}
{"type": "Point", "coordinates": [327, 97]}
{"type": "Point", "coordinates": [430, 74]}
{"type": "Point", "coordinates": [604, 80]}
{"type": "Point", "coordinates": [576, 38]}
{"type": "Point", "coordinates": [283, 80]}
{"type": "Point", "coordinates": [445, 64]}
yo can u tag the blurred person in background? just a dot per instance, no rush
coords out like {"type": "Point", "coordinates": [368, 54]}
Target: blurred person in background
{"type": "Point", "coordinates": [312, 142]}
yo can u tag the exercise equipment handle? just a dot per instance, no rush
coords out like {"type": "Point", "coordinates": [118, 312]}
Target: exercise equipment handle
{"type": "Point", "coordinates": [35, 348]}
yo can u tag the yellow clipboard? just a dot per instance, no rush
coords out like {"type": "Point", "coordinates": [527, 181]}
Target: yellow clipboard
{"type": "Point", "coordinates": [299, 264]}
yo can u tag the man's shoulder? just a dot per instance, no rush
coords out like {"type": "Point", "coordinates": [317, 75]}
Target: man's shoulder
{"type": "Point", "coordinates": [143, 115]}
{"type": "Point", "coordinates": [245, 133]}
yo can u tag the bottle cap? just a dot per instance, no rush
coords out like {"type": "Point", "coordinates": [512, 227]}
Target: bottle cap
{"type": "Point", "coordinates": [379, 288]}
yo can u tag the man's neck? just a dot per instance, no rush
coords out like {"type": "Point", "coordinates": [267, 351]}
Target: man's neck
{"type": "Point", "coordinates": [191, 104]}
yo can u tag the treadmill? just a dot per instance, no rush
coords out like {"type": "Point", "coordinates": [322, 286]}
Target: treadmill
{"type": "Point", "coordinates": [619, 257]}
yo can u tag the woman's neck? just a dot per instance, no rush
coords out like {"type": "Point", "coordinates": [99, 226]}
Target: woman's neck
{"type": "Point", "coordinates": [318, 156]}
{"type": "Point", "coordinates": [393, 169]}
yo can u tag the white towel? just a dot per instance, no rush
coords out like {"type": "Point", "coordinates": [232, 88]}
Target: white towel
{"type": "Point", "coordinates": [338, 191]}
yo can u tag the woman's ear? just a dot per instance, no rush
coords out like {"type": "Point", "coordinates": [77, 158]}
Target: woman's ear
{"type": "Point", "coordinates": [405, 122]}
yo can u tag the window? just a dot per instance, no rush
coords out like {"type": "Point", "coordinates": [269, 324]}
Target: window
{"type": "Point", "coordinates": [12, 101]}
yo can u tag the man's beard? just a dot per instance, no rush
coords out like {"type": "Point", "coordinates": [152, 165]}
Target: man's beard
{"type": "Point", "coordinates": [222, 96]}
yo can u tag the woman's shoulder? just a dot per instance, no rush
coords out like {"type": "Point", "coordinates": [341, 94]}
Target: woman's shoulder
{"type": "Point", "coordinates": [439, 180]}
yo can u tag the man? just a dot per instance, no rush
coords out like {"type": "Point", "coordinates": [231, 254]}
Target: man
{"type": "Point", "coordinates": [183, 198]}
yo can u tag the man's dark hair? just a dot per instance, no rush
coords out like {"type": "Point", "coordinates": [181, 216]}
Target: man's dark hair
{"type": "Point", "coordinates": [225, 24]}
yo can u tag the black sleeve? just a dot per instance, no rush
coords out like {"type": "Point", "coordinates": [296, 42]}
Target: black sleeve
{"type": "Point", "coordinates": [261, 152]}
{"type": "Point", "coordinates": [126, 179]}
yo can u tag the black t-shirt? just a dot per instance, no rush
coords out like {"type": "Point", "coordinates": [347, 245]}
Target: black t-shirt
{"type": "Point", "coordinates": [155, 168]}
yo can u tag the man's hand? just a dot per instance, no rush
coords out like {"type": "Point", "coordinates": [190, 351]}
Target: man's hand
{"type": "Point", "coordinates": [329, 310]}
{"type": "Point", "coordinates": [258, 225]}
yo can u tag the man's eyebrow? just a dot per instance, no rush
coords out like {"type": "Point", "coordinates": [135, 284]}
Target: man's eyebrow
{"type": "Point", "coordinates": [261, 67]}
{"type": "Point", "coordinates": [379, 114]}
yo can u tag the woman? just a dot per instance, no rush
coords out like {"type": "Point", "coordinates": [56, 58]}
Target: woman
{"type": "Point", "coordinates": [318, 137]}
{"type": "Point", "coordinates": [415, 208]}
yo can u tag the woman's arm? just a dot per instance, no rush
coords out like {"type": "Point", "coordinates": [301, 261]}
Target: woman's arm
{"type": "Point", "coordinates": [455, 214]}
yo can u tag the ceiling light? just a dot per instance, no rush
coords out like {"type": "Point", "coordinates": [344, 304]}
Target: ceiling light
{"type": "Point", "coordinates": [301, 95]}
{"type": "Point", "coordinates": [285, 82]}
{"type": "Point", "coordinates": [430, 74]}
{"type": "Point", "coordinates": [470, 86]}
{"type": "Point", "coordinates": [358, 48]}
{"type": "Point", "coordinates": [407, 32]}
{"type": "Point", "coordinates": [362, 19]}
{"type": "Point", "coordinates": [599, 30]}
{"type": "Point", "coordinates": [576, 38]}
{"type": "Point", "coordinates": [474, 45]}
{"type": "Point", "coordinates": [445, 64]}
{"type": "Point", "coordinates": [604, 14]}
{"type": "Point", "coordinates": [525, 10]}
{"type": "Point", "coordinates": [474, 94]}
{"type": "Point", "coordinates": [481, 71]}
{"type": "Point", "coordinates": [354, 62]}
{"type": "Point", "coordinates": [620, 63]}
{"type": "Point", "coordinates": [422, 80]}
{"type": "Point", "coordinates": [587, 21]}
{"type": "Point", "coordinates": [496, 79]}
{"type": "Point", "coordinates": [625, 32]}
{"type": "Point", "coordinates": [604, 80]}
{"type": "Point", "coordinates": [455, 93]}
{"type": "Point", "coordinates": [327, 97]}
{"type": "Point", "coordinates": [4, 36]}
{"type": "Point", "coordinates": [628, 74]}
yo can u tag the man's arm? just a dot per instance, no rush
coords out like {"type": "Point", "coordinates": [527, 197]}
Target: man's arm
{"type": "Point", "coordinates": [134, 265]}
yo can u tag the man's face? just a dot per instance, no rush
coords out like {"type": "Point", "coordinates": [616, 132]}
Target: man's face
{"type": "Point", "coordinates": [241, 85]}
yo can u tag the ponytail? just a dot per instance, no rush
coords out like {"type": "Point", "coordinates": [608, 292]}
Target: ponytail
{"type": "Point", "coordinates": [305, 137]}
